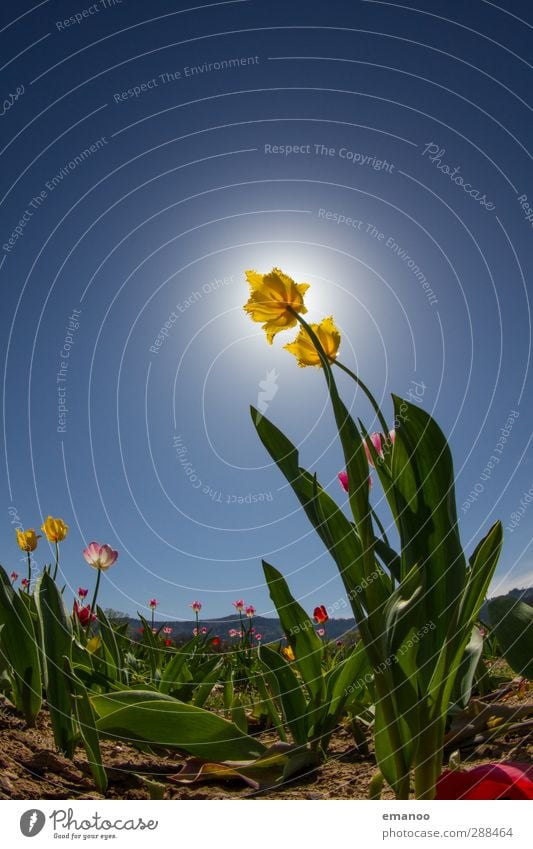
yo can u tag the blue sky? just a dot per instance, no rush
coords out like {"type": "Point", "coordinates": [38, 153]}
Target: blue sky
{"type": "Point", "coordinates": [143, 172]}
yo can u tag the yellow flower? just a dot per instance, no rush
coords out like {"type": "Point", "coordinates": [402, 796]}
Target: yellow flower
{"type": "Point", "coordinates": [288, 653]}
{"type": "Point", "coordinates": [27, 540]}
{"type": "Point", "coordinates": [54, 529]}
{"type": "Point", "coordinates": [270, 296]}
{"type": "Point", "coordinates": [304, 350]}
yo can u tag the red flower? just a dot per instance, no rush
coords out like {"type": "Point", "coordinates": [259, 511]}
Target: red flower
{"type": "Point", "coordinates": [168, 642]}
{"type": "Point", "coordinates": [489, 781]}
{"type": "Point", "coordinates": [14, 576]}
{"type": "Point", "coordinates": [215, 641]}
{"type": "Point", "coordinates": [83, 614]}
{"type": "Point", "coordinates": [320, 614]}
{"type": "Point", "coordinates": [25, 583]}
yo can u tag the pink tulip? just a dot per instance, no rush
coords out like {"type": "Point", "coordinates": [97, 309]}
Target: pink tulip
{"type": "Point", "coordinates": [195, 632]}
{"type": "Point", "coordinates": [196, 606]}
{"type": "Point", "coordinates": [100, 556]}
{"type": "Point", "coordinates": [203, 631]}
{"type": "Point", "coordinates": [250, 611]}
{"type": "Point", "coordinates": [258, 636]}
{"type": "Point", "coordinates": [152, 604]}
{"type": "Point", "coordinates": [232, 632]}
{"type": "Point", "coordinates": [380, 443]}
{"type": "Point", "coordinates": [14, 576]}
{"type": "Point", "coordinates": [320, 632]}
{"type": "Point", "coordinates": [25, 583]}
{"type": "Point", "coordinates": [343, 478]}
{"type": "Point", "coordinates": [167, 630]}
{"type": "Point", "coordinates": [82, 593]}
{"type": "Point", "coordinates": [375, 439]}
{"type": "Point", "coordinates": [239, 605]}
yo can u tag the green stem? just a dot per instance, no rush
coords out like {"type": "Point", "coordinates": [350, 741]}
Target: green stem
{"type": "Point", "coordinates": [368, 394]}
{"type": "Point", "coordinates": [29, 571]}
{"type": "Point", "coordinates": [97, 587]}
{"type": "Point", "coordinates": [57, 561]}
{"type": "Point", "coordinates": [428, 763]}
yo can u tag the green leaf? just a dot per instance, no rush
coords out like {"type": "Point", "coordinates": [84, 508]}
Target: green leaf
{"type": "Point", "coordinates": [336, 532]}
{"type": "Point", "coordinates": [299, 631]}
{"type": "Point", "coordinates": [292, 699]}
{"type": "Point", "coordinates": [423, 482]}
{"type": "Point", "coordinates": [512, 621]}
{"type": "Point", "coordinates": [86, 723]}
{"type": "Point", "coordinates": [238, 714]}
{"type": "Point", "coordinates": [172, 671]}
{"type": "Point", "coordinates": [56, 630]}
{"type": "Point", "coordinates": [143, 717]}
{"type": "Point", "coordinates": [19, 647]}
{"type": "Point", "coordinates": [464, 678]}
{"type": "Point", "coordinates": [113, 657]}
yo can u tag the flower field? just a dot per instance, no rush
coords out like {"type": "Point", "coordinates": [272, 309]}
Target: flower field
{"type": "Point", "coordinates": [422, 687]}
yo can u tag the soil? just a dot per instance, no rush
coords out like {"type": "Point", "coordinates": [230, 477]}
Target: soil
{"type": "Point", "coordinates": [30, 767]}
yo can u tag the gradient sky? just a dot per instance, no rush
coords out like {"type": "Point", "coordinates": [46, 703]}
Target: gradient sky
{"type": "Point", "coordinates": [181, 192]}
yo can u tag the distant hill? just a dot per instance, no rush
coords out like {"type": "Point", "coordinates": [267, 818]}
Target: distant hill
{"type": "Point", "coordinates": [269, 629]}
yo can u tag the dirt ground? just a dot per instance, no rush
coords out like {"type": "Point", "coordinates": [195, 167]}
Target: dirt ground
{"type": "Point", "coordinates": [30, 768]}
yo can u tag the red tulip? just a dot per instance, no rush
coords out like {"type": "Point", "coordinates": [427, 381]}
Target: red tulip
{"type": "Point", "coordinates": [196, 606]}
{"type": "Point", "coordinates": [25, 583]}
{"type": "Point", "coordinates": [168, 642]}
{"type": "Point", "coordinates": [83, 614]}
{"type": "Point", "coordinates": [238, 605]}
{"type": "Point", "coordinates": [216, 641]}
{"type": "Point", "coordinates": [152, 604]}
{"type": "Point", "coordinates": [250, 611]}
{"type": "Point", "coordinates": [489, 781]}
{"type": "Point", "coordinates": [14, 576]}
{"type": "Point", "coordinates": [320, 614]}
{"type": "Point", "coordinates": [82, 593]}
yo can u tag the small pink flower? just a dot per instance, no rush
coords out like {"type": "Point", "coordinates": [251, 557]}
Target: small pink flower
{"type": "Point", "coordinates": [154, 630]}
{"type": "Point", "coordinates": [167, 630]}
{"type": "Point", "coordinates": [25, 583]}
{"type": "Point", "coordinates": [152, 604]}
{"type": "Point", "coordinates": [196, 606]}
{"type": "Point", "coordinates": [195, 632]}
{"type": "Point", "coordinates": [250, 611]}
{"type": "Point", "coordinates": [239, 605]}
{"type": "Point", "coordinates": [232, 632]}
{"type": "Point", "coordinates": [258, 636]}
{"type": "Point", "coordinates": [320, 632]}
{"type": "Point", "coordinates": [203, 630]}
{"type": "Point", "coordinates": [14, 576]}
{"type": "Point", "coordinates": [375, 439]}
{"type": "Point", "coordinates": [100, 556]}
{"type": "Point", "coordinates": [241, 634]}
{"type": "Point", "coordinates": [82, 593]}
{"type": "Point", "coordinates": [343, 478]}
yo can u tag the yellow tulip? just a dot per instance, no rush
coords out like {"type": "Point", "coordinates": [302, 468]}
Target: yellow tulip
{"type": "Point", "coordinates": [27, 540]}
{"type": "Point", "coordinates": [304, 350]}
{"type": "Point", "coordinates": [271, 295]}
{"type": "Point", "coordinates": [54, 529]}
{"type": "Point", "coordinates": [288, 653]}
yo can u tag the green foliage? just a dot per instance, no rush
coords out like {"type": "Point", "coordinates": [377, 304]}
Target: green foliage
{"type": "Point", "coordinates": [19, 649]}
{"type": "Point", "coordinates": [512, 621]}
